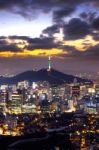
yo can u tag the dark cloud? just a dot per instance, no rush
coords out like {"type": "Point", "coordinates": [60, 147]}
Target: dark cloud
{"type": "Point", "coordinates": [51, 30]}
{"type": "Point", "coordinates": [33, 43]}
{"type": "Point", "coordinates": [30, 8]}
{"type": "Point", "coordinates": [95, 23]}
{"type": "Point", "coordinates": [76, 29]}
{"type": "Point", "coordinates": [49, 43]}
{"type": "Point", "coordinates": [2, 37]}
{"type": "Point", "coordinates": [88, 16]}
{"type": "Point", "coordinates": [36, 3]}
{"type": "Point", "coordinates": [95, 36]}
{"type": "Point", "coordinates": [68, 48]}
{"type": "Point", "coordinates": [60, 14]}
{"type": "Point", "coordinates": [6, 46]}
{"type": "Point", "coordinates": [15, 37]}
{"type": "Point", "coordinates": [95, 3]}
{"type": "Point", "coordinates": [84, 15]}
{"type": "Point", "coordinates": [2, 42]}
{"type": "Point", "coordinates": [42, 43]}
{"type": "Point", "coordinates": [92, 53]}
{"type": "Point", "coordinates": [9, 47]}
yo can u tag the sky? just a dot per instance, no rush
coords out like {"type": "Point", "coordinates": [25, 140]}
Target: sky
{"type": "Point", "coordinates": [31, 30]}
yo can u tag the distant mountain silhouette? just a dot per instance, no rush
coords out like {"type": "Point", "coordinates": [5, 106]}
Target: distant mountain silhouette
{"type": "Point", "coordinates": [53, 77]}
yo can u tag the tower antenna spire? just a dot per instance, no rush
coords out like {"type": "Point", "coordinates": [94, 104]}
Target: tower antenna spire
{"type": "Point", "coordinates": [49, 63]}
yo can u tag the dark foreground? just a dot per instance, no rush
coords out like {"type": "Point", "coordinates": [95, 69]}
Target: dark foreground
{"type": "Point", "coordinates": [44, 142]}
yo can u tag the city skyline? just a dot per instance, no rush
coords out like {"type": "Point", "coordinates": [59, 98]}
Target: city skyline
{"type": "Point", "coordinates": [32, 30]}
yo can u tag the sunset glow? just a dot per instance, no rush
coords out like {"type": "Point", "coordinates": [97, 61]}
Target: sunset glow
{"type": "Point", "coordinates": [32, 30]}
{"type": "Point", "coordinates": [82, 44]}
{"type": "Point", "coordinates": [37, 52]}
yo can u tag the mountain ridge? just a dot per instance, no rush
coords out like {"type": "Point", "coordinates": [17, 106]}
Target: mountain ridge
{"type": "Point", "coordinates": [53, 77]}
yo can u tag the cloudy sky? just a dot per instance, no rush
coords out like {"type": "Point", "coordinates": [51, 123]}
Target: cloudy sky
{"type": "Point", "coordinates": [31, 30]}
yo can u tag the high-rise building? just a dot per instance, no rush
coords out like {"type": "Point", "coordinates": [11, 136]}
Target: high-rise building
{"type": "Point", "coordinates": [15, 103]}
{"type": "Point", "coordinates": [76, 91]}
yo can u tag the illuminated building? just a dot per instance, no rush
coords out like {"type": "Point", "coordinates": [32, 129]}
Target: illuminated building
{"type": "Point", "coordinates": [34, 85]}
{"type": "Point", "coordinates": [67, 92]}
{"type": "Point", "coordinates": [76, 91]}
{"type": "Point", "coordinates": [75, 82]}
{"type": "Point", "coordinates": [49, 63]}
{"type": "Point", "coordinates": [58, 93]}
{"type": "Point", "coordinates": [83, 90]}
{"type": "Point", "coordinates": [91, 91]}
{"type": "Point", "coordinates": [42, 96]}
{"type": "Point", "coordinates": [13, 88]}
{"type": "Point", "coordinates": [97, 88]}
{"type": "Point", "coordinates": [90, 107]}
{"type": "Point", "coordinates": [44, 103]}
{"type": "Point", "coordinates": [3, 97]}
{"type": "Point", "coordinates": [15, 103]}
{"type": "Point", "coordinates": [97, 103]}
{"type": "Point", "coordinates": [23, 84]}
{"type": "Point", "coordinates": [71, 105]}
{"type": "Point", "coordinates": [4, 87]}
{"type": "Point", "coordinates": [29, 108]}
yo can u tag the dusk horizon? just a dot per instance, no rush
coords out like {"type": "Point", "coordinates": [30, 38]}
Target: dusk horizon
{"type": "Point", "coordinates": [31, 30]}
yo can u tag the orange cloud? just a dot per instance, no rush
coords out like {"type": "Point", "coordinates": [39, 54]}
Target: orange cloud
{"type": "Point", "coordinates": [82, 44]}
{"type": "Point", "coordinates": [37, 52]}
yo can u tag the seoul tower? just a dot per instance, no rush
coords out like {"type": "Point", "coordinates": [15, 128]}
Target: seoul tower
{"type": "Point", "coordinates": [49, 63]}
